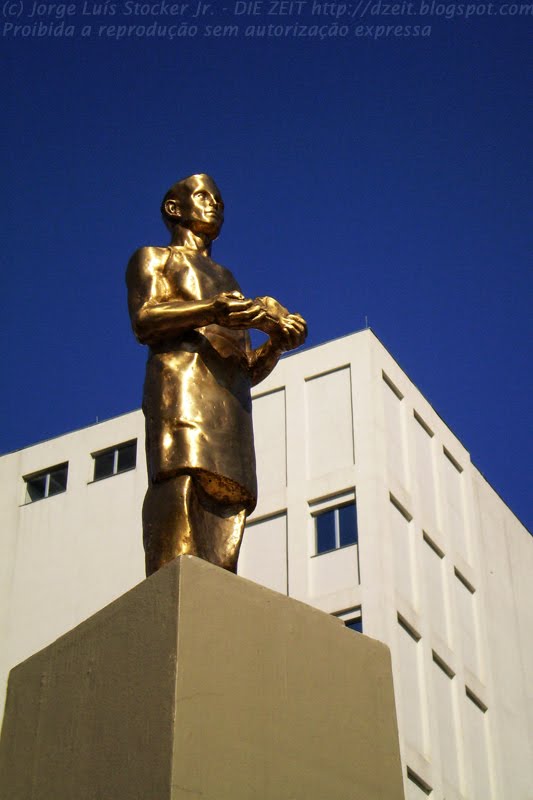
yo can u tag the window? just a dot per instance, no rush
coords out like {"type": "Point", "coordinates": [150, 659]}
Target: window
{"type": "Point", "coordinates": [355, 624]}
{"type": "Point", "coordinates": [475, 699]}
{"type": "Point", "coordinates": [394, 389]}
{"type": "Point", "coordinates": [352, 618]}
{"type": "Point", "coordinates": [423, 424]}
{"type": "Point", "coordinates": [416, 780]}
{"type": "Point", "coordinates": [461, 578]}
{"type": "Point", "coordinates": [46, 483]}
{"type": "Point", "coordinates": [119, 458]}
{"type": "Point", "coordinates": [443, 665]}
{"type": "Point", "coordinates": [413, 633]}
{"type": "Point", "coordinates": [431, 544]}
{"type": "Point", "coordinates": [452, 460]}
{"type": "Point", "coordinates": [403, 511]}
{"type": "Point", "coordinates": [335, 528]}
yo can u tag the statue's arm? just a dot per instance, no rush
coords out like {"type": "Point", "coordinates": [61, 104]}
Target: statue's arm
{"type": "Point", "coordinates": [155, 316]}
{"type": "Point", "coordinates": [263, 360]}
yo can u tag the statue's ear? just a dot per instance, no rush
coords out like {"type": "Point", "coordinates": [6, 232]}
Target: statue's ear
{"type": "Point", "coordinates": [172, 208]}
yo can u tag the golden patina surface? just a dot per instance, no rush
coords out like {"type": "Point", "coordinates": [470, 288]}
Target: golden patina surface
{"type": "Point", "coordinates": [191, 313]}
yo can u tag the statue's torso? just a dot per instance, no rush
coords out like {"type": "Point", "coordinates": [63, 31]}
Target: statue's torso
{"type": "Point", "coordinates": [197, 400]}
{"type": "Point", "coordinates": [192, 276]}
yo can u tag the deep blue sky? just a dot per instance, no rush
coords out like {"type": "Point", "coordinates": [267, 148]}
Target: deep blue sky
{"type": "Point", "coordinates": [387, 179]}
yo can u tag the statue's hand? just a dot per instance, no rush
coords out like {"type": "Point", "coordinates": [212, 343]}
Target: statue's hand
{"type": "Point", "coordinates": [291, 333]}
{"type": "Point", "coordinates": [274, 312]}
{"type": "Point", "coordinates": [233, 310]}
{"type": "Point", "coordinates": [286, 330]}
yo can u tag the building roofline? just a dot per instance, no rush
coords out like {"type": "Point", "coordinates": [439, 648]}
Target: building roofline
{"type": "Point", "coordinates": [68, 433]}
{"type": "Point", "coordinates": [439, 415]}
{"type": "Point", "coordinates": [302, 350]}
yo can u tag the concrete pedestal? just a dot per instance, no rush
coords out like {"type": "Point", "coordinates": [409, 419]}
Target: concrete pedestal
{"type": "Point", "coordinates": [200, 684]}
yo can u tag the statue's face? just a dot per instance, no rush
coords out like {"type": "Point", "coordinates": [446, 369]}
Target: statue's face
{"type": "Point", "coordinates": [201, 209]}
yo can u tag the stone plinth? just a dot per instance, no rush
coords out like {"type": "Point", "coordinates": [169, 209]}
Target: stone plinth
{"type": "Point", "coordinates": [200, 684]}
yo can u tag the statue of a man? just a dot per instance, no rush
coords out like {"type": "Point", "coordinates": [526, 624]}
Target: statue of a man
{"type": "Point", "coordinates": [191, 313]}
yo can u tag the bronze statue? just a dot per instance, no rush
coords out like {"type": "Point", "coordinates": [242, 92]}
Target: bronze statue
{"type": "Point", "coordinates": [191, 313]}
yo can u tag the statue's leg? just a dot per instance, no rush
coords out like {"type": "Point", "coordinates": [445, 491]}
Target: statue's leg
{"type": "Point", "coordinates": [180, 518]}
{"type": "Point", "coordinates": [168, 530]}
{"type": "Point", "coordinates": [219, 528]}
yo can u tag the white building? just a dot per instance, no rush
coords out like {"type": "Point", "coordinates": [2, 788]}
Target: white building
{"type": "Point", "coordinates": [440, 569]}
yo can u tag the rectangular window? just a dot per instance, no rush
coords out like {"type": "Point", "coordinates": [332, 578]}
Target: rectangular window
{"type": "Point", "coordinates": [355, 624]}
{"type": "Point", "coordinates": [394, 389]}
{"type": "Point", "coordinates": [422, 424]}
{"type": "Point", "coordinates": [113, 460]}
{"type": "Point", "coordinates": [352, 618]}
{"type": "Point", "coordinates": [46, 482]}
{"type": "Point", "coordinates": [336, 528]}
{"type": "Point", "coordinates": [461, 578]}
{"type": "Point", "coordinates": [417, 781]}
{"type": "Point", "coordinates": [452, 460]}
{"type": "Point", "coordinates": [403, 511]}
{"type": "Point", "coordinates": [413, 633]}
{"type": "Point", "coordinates": [475, 699]}
{"type": "Point", "coordinates": [429, 541]}
{"type": "Point", "coordinates": [443, 665]}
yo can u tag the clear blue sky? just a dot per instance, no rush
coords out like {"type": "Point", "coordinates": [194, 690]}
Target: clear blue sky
{"type": "Point", "coordinates": [388, 179]}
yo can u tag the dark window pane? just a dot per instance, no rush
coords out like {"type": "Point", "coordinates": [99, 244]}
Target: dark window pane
{"type": "Point", "coordinates": [347, 525]}
{"type": "Point", "coordinates": [355, 624]}
{"type": "Point", "coordinates": [58, 480]}
{"type": "Point", "coordinates": [47, 483]}
{"type": "Point", "coordinates": [36, 487]}
{"type": "Point", "coordinates": [127, 456]}
{"type": "Point", "coordinates": [325, 531]}
{"type": "Point", "coordinates": [103, 464]}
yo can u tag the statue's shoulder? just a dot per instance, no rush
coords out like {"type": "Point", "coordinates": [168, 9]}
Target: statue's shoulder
{"type": "Point", "coordinates": [150, 255]}
{"type": "Point", "coordinates": [147, 260]}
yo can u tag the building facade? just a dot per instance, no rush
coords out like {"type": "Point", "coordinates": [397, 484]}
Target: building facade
{"type": "Point", "coordinates": [369, 509]}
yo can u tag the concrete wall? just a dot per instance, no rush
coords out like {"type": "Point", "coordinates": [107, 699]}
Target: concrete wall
{"type": "Point", "coordinates": [127, 706]}
{"type": "Point", "coordinates": [64, 557]}
{"type": "Point", "coordinates": [441, 572]}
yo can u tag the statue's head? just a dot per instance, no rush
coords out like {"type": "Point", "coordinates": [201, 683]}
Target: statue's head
{"type": "Point", "coordinates": [195, 203]}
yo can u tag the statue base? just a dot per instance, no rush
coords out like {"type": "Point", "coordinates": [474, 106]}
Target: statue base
{"type": "Point", "coordinates": [200, 684]}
